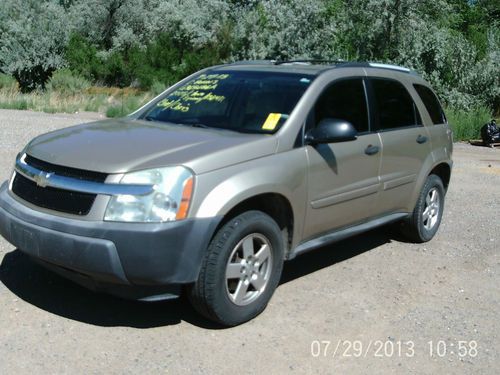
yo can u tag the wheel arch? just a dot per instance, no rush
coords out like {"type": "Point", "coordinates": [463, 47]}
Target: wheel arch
{"type": "Point", "coordinates": [441, 168]}
{"type": "Point", "coordinates": [274, 204]}
{"type": "Point", "coordinates": [443, 171]}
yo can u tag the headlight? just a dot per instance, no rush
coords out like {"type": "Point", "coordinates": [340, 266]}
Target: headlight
{"type": "Point", "coordinates": [169, 201]}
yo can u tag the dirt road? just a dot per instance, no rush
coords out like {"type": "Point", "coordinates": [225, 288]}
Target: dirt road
{"type": "Point", "coordinates": [370, 304]}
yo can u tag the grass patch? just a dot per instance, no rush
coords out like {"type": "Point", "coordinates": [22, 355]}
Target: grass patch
{"type": "Point", "coordinates": [114, 101]}
{"type": "Point", "coordinates": [67, 92]}
{"type": "Point", "coordinates": [7, 82]}
{"type": "Point", "coordinates": [128, 105]}
{"type": "Point", "coordinates": [467, 125]}
{"type": "Point", "coordinates": [20, 103]}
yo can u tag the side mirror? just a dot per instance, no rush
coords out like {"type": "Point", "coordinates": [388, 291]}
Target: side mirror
{"type": "Point", "coordinates": [331, 130]}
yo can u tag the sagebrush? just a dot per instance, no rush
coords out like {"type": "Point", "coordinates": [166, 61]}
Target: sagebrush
{"type": "Point", "coordinates": [453, 43]}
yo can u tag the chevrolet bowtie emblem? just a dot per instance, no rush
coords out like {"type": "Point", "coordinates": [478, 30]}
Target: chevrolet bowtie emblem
{"type": "Point", "coordinates": [42, 179]}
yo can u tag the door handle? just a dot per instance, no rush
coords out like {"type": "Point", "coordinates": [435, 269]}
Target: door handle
{"type": "Point", "coordinates": [371, 150]}
{"type": "Point", "coordinates": [421, 139]}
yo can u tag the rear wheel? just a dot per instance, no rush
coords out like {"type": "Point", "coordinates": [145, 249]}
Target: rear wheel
{"type": "Point", "coordinates": [240, 271]}
{"type": "Point", "coordinates": [424, 222]}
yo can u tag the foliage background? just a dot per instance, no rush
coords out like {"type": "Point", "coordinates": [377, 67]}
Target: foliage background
{"type": "Point", "coordinates": [150, 44]}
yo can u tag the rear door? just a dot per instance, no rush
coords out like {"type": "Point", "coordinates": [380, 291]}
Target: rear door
{"type": "Point", "coordinates": [343, 176]}
{"type": "Point", "coordinates": [440, 131]}
{"type": "Point", "coordinates": [405, 142]}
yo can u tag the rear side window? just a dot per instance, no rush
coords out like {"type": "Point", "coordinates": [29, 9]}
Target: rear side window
{"type": "Point", "coordinates": [345, 100]}
{"type": "Point", "coordinates": [394, 105]}
{"type": "Point", "coordinates": [431, 103]}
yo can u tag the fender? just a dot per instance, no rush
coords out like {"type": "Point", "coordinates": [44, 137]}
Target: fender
{"type": "Point", "coordinates": [282, 173]}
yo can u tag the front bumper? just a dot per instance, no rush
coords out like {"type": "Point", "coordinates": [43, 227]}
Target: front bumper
{"type": "Point", "coordinates": [133, 260]}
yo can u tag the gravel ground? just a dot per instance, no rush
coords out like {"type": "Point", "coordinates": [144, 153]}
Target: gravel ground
{"type": "Point", "coordinates": [370, 304]}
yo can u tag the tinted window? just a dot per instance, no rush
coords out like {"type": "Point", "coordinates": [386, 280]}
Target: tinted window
{"type": "Point", "coordinates": [251, 102]}
{"type": "Point", "coordinates": [431, 103]}
{"type": "Point", "coordinates": [344, 100]}
{"type": "Point", "coordinates": [394, 106]}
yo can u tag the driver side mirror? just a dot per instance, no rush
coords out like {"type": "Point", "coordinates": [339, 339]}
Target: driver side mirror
{"type": "Point", "coordinates": [330, 130]}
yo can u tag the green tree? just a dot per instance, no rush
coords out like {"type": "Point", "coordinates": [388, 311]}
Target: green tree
{"type": "Point", "coordinates": [81, 57]}
{"type": "Point", "coordinates": [282, 29]}
{"type": "Point", "coordinates": [453, 43]}
{"type": "Point", "coordinates": [33, 36]}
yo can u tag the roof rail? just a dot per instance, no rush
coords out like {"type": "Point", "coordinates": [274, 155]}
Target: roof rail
{"type": "Point", "coordinates": [389, 66]}
{"type": "Point", "coordinates": [330, 63]}
{"type": "Point", "coordinates": [253, 62]}
{"type": "Point", "coordinates": [346, 64]}
{"type": "Point", "coordinates": [393, 67]}
{"type": "Point", "coordinates": [309, 61]}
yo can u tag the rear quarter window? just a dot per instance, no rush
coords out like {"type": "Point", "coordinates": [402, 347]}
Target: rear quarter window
{"type": "Point", "coordinates": [431, 103]}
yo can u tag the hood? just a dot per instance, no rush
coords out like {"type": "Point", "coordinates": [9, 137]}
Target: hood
{"type": "Point", "coordinates": [117, 146]}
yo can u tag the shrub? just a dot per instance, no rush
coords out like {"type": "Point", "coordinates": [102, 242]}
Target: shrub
{"type": "Point", "coordinates": [33, 36]}
{"type": "Point", "coordinates": [164, 59]}
{"type": "Point", "coordinates": [157, 87]}
{"type": "Point", "coordinates": [128, 105]}
{"type": "Point", "coordinates": [114, 72]}
{"type": "Point", "coordinates": [466, 125]}
{"type": "Point", "coordinates": [82, 59]}
{"type": "Point", "coordinates": [7, 82]}
{"type": "Point", "coordinates": [67, 83]}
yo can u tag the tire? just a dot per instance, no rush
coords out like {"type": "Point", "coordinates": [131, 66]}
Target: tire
{"type": "Point", "coordinates": [233, 286]}
{"type": "Point", "coordinates": [424, 222]}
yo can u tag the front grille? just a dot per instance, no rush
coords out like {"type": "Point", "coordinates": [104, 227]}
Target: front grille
{"type": "Point", "coordinates": [61, 200]}
{"type": "Point", "coordinates": [71, 202]}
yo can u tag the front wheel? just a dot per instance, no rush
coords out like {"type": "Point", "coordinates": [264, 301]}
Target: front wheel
{"type": "Point", "coordinates": [424, 222]}
{"type": "Point", "coordinates": [240, 271]}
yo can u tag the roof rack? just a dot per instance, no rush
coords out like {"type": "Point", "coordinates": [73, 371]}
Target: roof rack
{"type": "Point", "coordinates": [309, 61]}
{"type": "Point", "coordinates": [288, 62]}
{"type": "Point", "coordinates": [330, 63]}
{"type": "Point", "coordinates": [346, 64]}
{"type": "Point", "coordinates": [390, 66]}
{"type": "Point", "coordinates": [253, 62]}
{"type": "Point", "coordinates": [394, 67]}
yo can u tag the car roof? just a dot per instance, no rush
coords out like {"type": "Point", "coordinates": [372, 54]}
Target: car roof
{"type": "Point", "coordinates": [266, 66]}
{"type": "Point", "coordinates": [310, 67]}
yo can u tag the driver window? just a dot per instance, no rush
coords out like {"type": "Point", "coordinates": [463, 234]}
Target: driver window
{"type": "Point", "coordinates": [343, 100]}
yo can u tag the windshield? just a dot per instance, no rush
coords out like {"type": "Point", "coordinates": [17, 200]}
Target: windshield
{"type": "Point", "coordinates": [250, 102]}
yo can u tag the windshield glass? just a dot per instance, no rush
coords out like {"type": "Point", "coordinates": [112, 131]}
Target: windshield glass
{"type": "Point", "coordinates": [251, 102]}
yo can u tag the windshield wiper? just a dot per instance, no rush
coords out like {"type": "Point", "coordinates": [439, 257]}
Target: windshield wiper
{"type": "Point", "coordinates": [151, 118]}
{"type": "Point", "coordinates": [198, 125]}
{"type": "Point", "coordinates": [202, 126]}
{"type": "Point", "coordinates": [193, 125]}
{"type": "Point", "coordinates": [237, 130]}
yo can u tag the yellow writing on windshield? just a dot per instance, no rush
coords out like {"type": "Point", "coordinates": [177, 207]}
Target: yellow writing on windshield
{"type": "Point", "coordinates": [195, 92]}
{"type": "Point", "coordinates": [200, 96]}
{"type": "Point", "coordinates": [175, 105]}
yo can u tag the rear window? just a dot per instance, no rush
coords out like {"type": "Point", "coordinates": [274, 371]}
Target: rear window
{"type": "Point", "coordinates": [431, 103]}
